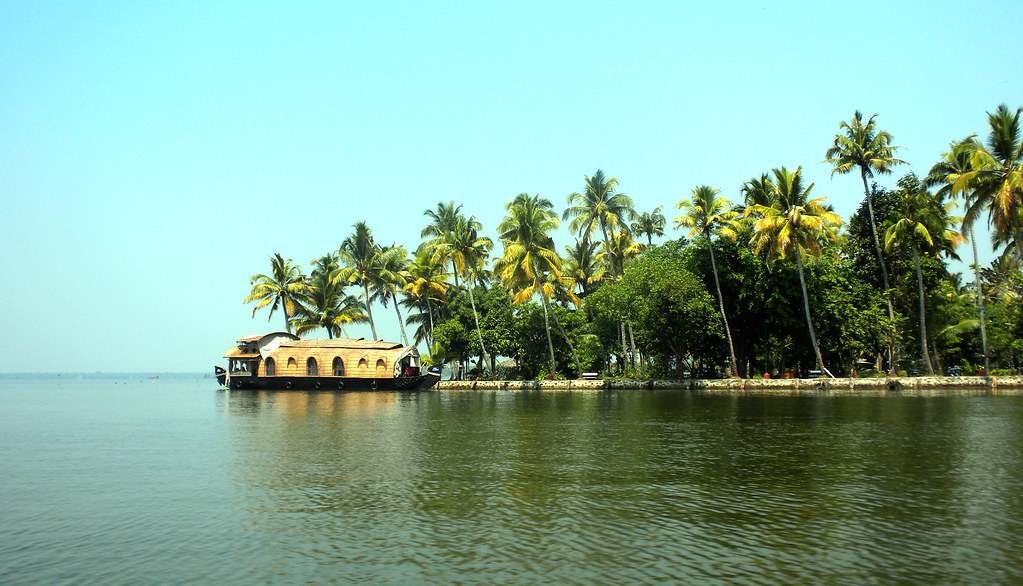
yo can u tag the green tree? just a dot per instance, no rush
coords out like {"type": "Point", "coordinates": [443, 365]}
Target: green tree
{"type": "Point", "coordinates": [944, 174]}
{"type": "Point", "coordinates": [389, 278]}
{"type": "Point", "coordinates": [468, 253]}
{"type": "Point", "coordinates": [326, 305]}
{"type": "Point", "coordinates": [649, 224]}
{"type": "Point", "coordinates": [672, 312]}
{"type": "Point", "coordinates": [922, 221]}
{"type": "Point", "coordinates": [444, 219]}
{"type": "Point", "coordinates": [529, 256]}
{"type": "Point", "coordinates": [282, 288]}
{"type": "Point", "coordinates": [796, 226]}
{"type": "Point", "coordinates": [996, 179]}
{"type": "Point", "coordinates": [862, 146]}
{"type": "Point", "coordinates": [599, 206]}
{"type": "Point", "coordinates": [425, 286]}
{"type": "Point", "coordinates": [583, 266]}
{"type": "Point", "coordinates": [360, 256]}
{"type": "Point", "coordinates": [707, 215]}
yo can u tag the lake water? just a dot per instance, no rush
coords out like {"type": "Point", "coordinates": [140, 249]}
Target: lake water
{"type": "Point", "coordinates": [124, 481]}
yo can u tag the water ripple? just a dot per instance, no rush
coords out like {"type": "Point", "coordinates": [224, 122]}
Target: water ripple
{"type": "Point", "coordinates": [521, 488]}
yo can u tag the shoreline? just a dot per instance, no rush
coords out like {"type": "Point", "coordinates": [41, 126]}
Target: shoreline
{"type": "Point", "coordinates": [936, 385]}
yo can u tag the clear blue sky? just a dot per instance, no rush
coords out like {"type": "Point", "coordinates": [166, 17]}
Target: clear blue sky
{"type": "Point", "coordinates": [153, 156]}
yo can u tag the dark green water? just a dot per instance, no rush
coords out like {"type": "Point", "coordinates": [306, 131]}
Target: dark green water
{"type": "Point", "coordinates": [130, 482]}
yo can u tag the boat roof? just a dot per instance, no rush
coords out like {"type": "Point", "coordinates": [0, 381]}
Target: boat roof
{"type": "Point", "coordinates": [236, 352]}
{"type": "Point", "coordinates": [257, 337]}
{"type": "Point", "coordinates": [359, 344]}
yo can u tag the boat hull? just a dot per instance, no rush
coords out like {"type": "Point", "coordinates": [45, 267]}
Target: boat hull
{"type": "Point", "coordinates": [332, 383]}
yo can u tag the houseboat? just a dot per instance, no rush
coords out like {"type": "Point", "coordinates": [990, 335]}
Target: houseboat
{"type": "Point", "coordinates": [281, 360]}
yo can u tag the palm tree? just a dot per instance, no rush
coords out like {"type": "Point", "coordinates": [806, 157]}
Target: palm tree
{"type": "Point", "coordinates": [529, 258]}
{"type": "Point", "coordinates": [649, 223]}
{"type": "Point", "coordinates": [468, 252]}
{"type": "Point", "coordinates": [360, 256]}
{"type": "Point", "coordinates": [282, 288]}
{"type": "Point", "coordinates": [389, 278]}
{"type": "Point", "coordinates": [444, 219]}
{"type": "Point", "coordinates": [598, 206]}
{"type": "Point", "coordinates": [864, 147]}
{"type": "Point", "coordinates": [583, 266]}
{"type": "Point", "coordinates": [922, 221]}
{"type": "Point", "coordinates": [623, 248]}
{"type": "Point", "coordinates": [327, 306]}
{"type": "Point", "coordinates": [997, 177]}
{"type": "Point", "coordinates": [707, 215]}
{"type": "Point", "coordinates": [426, 284]}
{"type": "Point", "coordinates": [794, 226]}
{"type": "Point", "coordinates": [945, 173]}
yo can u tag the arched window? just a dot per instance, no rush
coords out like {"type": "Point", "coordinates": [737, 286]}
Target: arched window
{"type": "Point", "coordinates": [339, 366]}
{"type": "Point", "coordinates": [310, 367]}
{"type": "Point", "coordinates": [381, 367]}
{"type": "Point", "coordinates": [271, 367]}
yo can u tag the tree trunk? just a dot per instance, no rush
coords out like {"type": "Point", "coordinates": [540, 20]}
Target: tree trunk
{"type": "Point", "coordinates": [721, 303]}
{"type": "Point", "coordinates": [429, 310]}
{"type": "Point", "coordinates": [401, 323]}
{"type": "Point", "coordinates": [571, 348]}
{"type": "Point", "coordinates": [557, 322]}
{"type": "Point", "coordinates": [980, 302]}
{"type": "Point", "coordinates": [923, 314]}
{"type": "Point", "coordinates": [475, 317]}
{"type": "Point", "coordinates": [806, 307]}
{"type": "Point", "coordinates": [880, 260]}
{"type": "Point", "coordinates": [287, 318]}
{"type": "Point", "coordinates": [550, 343]}
{"type": "Point", "coordinates": [632, 346]}
{"type": "Point", "coordinates": [369, 311]}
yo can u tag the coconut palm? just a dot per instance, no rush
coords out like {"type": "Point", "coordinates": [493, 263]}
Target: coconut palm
{"type": "Point", "coordinates": [623, 248]}
{"type": "Point", "coordinates": [599, 206]}
{"type": "Point", "coordinates": [529, 257]}
{"type": "Point", "coordinates": [862, 146]}
{"type": "Point", "coordinates": [443, 222]}
{"type": "Point", "coordinates": [583, 266]}
{"type": "Point", "coordinates": [327, 306]}
{"type": "Point", "coordinates": [944, 174]}
{"type": "Point", "coordinates": [283, 288]}
{"type": "Point", "coordinates": [922, 221]}
{"type": "Point", "coordinates": [707, 214]}
{"type": "Point", "coordinates": [468, 252]}
{"type": "Point", "coordinates": [997, 177]}
{"type": "Point", "coordinates": [649, 223]}
{"type": "Point", "coordinates": [389, 278]}
{"type": "Point", "coordinates": [795, 226]}
{"type": "Point", "coordinates": [360, 256]}
{"type": "Point", "coordinates": [426, 285]}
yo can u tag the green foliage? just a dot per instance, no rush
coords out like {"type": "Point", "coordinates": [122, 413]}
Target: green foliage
{"type": "Point", "coordinates": [672, 313]}
{"type": "Point", "coordinates": [771, 278]}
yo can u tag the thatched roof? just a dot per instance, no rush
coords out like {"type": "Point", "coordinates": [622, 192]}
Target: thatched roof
{"type": "Point", "coordinates": [360, 344]}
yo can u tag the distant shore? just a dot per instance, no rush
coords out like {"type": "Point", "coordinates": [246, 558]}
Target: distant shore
{"type": "Point", "coordinates": [935, 385]}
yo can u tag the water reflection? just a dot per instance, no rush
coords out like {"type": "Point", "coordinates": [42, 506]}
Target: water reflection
{"type": "Point", "coordinates": [631, 485]}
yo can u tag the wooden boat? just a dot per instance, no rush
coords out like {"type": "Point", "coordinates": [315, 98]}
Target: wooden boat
{"type": "Point", "coordinates": [280, 360]}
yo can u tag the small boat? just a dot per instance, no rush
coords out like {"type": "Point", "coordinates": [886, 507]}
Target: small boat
{"type": "Point", "coordinates": [280, 360]}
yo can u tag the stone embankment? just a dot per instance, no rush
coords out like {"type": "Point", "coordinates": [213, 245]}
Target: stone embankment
{"type": "Point", "coordinates": [937, 385]}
